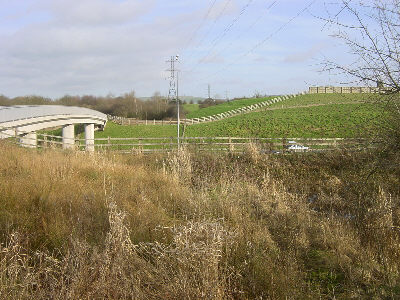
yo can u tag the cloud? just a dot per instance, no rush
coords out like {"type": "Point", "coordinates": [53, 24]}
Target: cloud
{"type": "Point", "coordinates": [54, 47]}
{"type": "Point", "coordinates": [96, 12]}
{"type": "Point", "coordinates": [215, 59]}
{"type": "Point", "coordinates": [304, 56]}
{"type": "Point", "coordinates": [223, 8]}
{"type": "Point", "coordinates": [70, 55]}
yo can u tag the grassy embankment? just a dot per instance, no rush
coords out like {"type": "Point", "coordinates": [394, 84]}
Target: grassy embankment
{"type": "Point", "coordinates": [325, 99]}
{"type": "Point", "coordinates": [199, 226]}
{"type": "Point", "coordinates": [322, 115]}
{"type": "Point", "coordinates": [193, 110]}
{"type": "Point", "coordinates": [190, 108]}
{"type": "Point", "coordinates": [335, 120]}
{"type": "Point", "coordinates": [224, 107]}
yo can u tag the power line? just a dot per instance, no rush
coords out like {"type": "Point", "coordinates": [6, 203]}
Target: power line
{"type": "Point", "coordinates": [280, 28]}
{"type": "Point", "coordinates": [212, 26]}
{"type": "Point", "coordinates": [201, 23]}
{"type": "Point", "coordinates": [226, 30]}
{"type": "Point", "coordinates": [229, 27]}
{"type": "Point", "coordinates": [267, 38]}
{"type": "Point", "coordinates": [245, 31]}
{"type": "Point", "coordinates": [237, 37]}
{"type": "Point", "coordinates": [337, 15]}
{"type": "Point", "coordinates": [216, 20]}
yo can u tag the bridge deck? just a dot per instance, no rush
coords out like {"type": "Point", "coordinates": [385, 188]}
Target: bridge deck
{"type": "Point", "coordinates": [20, 112]}
{"type": "Point", "coordinates": [24, 120]}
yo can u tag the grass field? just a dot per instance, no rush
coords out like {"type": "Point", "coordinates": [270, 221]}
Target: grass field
{"type": "Point", "coordinates": [224, 107]}
{"type": "Point", "coordinates": [335, 120]}
{"type": "Point", "coordinates": [313, 115]}
{"type": "Point", "coordinates": [138, 131]}
{"type": "Point", "coordinates": [322, 99]}
{"type": "Point", "coordinates": [190, 108]}
{"type": "Point", "coordinates": [115, 130]}
{"type": "Point", "coordinates": [193, 110]}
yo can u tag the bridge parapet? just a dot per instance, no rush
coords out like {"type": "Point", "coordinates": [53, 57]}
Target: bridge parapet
{"type": "Point", "coordinates": [24, 120]}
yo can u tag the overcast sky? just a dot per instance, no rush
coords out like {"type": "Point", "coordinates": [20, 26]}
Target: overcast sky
{"type": "Point", "coordinates": [57, 47]}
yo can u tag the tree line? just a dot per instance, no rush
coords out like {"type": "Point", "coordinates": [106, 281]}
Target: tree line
{"type": "Point", "coordinates": [126, 105]}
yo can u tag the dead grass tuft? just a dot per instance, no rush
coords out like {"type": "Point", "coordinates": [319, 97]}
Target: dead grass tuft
{"type": "Point", "coordinates": [196, 226]}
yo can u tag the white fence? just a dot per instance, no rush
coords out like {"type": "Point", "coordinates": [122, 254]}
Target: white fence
{"type": "Point", "coordinates": [230, 144]}
{"type": "Point", "coordinates": [216, 117]}
{"type": "Point", "coordinates": [167, 144]}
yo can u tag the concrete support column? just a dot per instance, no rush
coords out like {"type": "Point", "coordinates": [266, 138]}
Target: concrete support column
{"type": "Point", "coordinates": [89, 137]}
{"type": "Point", "coordinates": [28, 140]}
{"type": "Point", "coordinates": [68, 137]}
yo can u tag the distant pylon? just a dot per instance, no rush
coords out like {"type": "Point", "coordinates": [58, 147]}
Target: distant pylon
{"type": "Point", "coordinates": [172, 93]}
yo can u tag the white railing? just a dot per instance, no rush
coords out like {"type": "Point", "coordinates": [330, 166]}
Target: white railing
{"type": "Point", "coordinates": [231, 144]}
{"type": "Point", "coordinates": [216, 117]}
{"type": "Point", "coordinates": [167, 144]}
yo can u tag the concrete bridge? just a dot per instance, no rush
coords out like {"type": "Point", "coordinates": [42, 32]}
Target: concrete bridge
{"type": "Point", "coordinates": [23, 121]}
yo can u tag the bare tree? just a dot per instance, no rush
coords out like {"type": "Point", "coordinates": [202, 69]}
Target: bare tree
{"type": "Point", "coordinates": [371, 30]}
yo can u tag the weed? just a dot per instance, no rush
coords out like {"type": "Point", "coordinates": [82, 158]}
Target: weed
{"type": "Point", "coordinates": [193, 225]}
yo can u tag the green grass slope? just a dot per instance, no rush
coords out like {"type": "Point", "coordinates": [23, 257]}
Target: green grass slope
{"type": "Point", "coordinates": [193, 110]}
{"type": "Point", "coordinates": [115, 130]}
{"type": "Point", "coordinates": [190, 108]}
{"type": "Point", "coordinates": [335, 120]}
{"type": "Point", "coordinates": [315, 115]}
{"type": "Point", "coordinates": [323, 99]}
{"type": "Point", "coordinates": [224, 107]}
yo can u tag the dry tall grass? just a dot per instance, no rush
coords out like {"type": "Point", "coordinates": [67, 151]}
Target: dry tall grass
{"type": "Point", "coordinates": [197, 226]}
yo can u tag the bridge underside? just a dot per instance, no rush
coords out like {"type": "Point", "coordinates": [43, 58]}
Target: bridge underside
{"type": "Point", "coordinates": [29, 139]}
{"type": "Point", "coordinates": [25, 129]}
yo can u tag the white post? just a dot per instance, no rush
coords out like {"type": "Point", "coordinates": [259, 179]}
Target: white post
{"type": "Point", "coordinates": [29, 140]}
{"type": "Point", "coordinates": [89, 137]}
{"type": "Point", "coordinates": [68, 137]}
{"type": "Point", "coordinates": [177, 101]}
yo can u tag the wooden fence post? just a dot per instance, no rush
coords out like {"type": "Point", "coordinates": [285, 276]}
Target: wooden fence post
{"type": "Point", "coordinates": [231, 147]}
{"type": "Point", "coordinates": [140, 147]}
